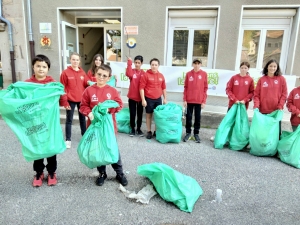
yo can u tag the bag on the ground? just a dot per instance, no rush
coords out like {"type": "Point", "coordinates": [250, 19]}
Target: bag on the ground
{"type": "Point", "coordinates": [98, 146]}
{"type": "Point", "coordinates": [168, 123]}
{"type": "Point", "coordinates": [234, 129]}
{"type": "Point", "coordinates": [172, 185]}
{"type": "Point", "coordinates": [289, 148]}
{"type": "Point", "coordinates": [31, 110]}
{"type": "Point", "coordinates": [123, 121]}
{"type": "Point", "coordinates": [264, 133]}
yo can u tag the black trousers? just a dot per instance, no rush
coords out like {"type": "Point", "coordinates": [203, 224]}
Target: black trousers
{"type": "Point", "coordinates": [38, 165]}
{"type": "Point", "coordinates": [116, 166]}
{"type": "Point", "coordinates": [196, 108]}
{"type": "Point", "coordinates": [69, 120]}
{"type": "Point", "coordinates": [135, 108]}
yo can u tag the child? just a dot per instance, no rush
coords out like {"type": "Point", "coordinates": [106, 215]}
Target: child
{"type": "Point", "coordinates": [271, 90]}
{"type": "Point", "coordinates": [75, 81]}
{"type": "Point", "coordinates": [98, 60]}
{"type": "Point", "coordinates": [293, 105]}
{"type": "Point", "coordinates": [93, 95]}
{"type": "Point", "coordinates": [152, 86]}
{"type": "Point", "coordinates": [41, 66]}
{"type": "Point", "coordinates": [194, 98]}
{"type": "Point", "coordinates": [134, 97]}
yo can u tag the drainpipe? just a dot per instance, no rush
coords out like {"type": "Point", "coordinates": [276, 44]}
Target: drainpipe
{"type": "Point", "coordinates": [11, 45]}
{"type": "Point", "coordinates": [30, 34]}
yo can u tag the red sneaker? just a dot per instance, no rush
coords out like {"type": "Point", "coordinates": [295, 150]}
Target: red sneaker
{"type": "Point", "coordinates": [52, 180]}
{"type": "Point", "coordinates": [38, 180]}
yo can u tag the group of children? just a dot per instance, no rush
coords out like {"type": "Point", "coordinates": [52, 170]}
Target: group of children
{"type": "Point", "coordinates": [145, 90]}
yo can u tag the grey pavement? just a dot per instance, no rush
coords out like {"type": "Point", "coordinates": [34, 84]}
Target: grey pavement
{"type": "Point", "coordinates": [256, 190]}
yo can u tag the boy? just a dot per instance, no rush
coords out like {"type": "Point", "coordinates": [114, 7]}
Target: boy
{"type": "Point", "coordinates": [93, 95]}
{"type": "Point", "coordinates": [194, 98]}
{"type": "Point", "coordinates": [293, 105]}
{"type": "Point", "coordinates": [41, 66]}
{"type": "Point", "coordinates": [152, 86]}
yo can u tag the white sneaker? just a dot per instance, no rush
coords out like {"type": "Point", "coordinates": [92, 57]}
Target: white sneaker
{"type": "Point", "coordinates": [212, 138]}
{"type": "Point", "coordinates": [68, 144]}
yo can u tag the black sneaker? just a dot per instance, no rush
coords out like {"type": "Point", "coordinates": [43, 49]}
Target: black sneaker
{"type": "Point", "coordinates": [101, 178]}
{"type": "Point", "coordinates": [197, 138]}
{"type": "Point", "coordinates": [149, 135]}
{"type": "Point", "coordinates": [154, 134]}
{"type": "Point", "coordinates": [132, 133]}
{"type": "Point", "coordinates": [122, 179]}
{"type": "Point", "coordinates": [187, 137]}
{"type": "Point", "coordinates": [140, 133]}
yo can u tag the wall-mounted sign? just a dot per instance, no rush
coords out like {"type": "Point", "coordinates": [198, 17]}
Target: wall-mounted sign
{"type": "Point", "coordinates": [131, 30]}
{"type": "Point", "coordinates": [45, 41]}
{"type": "Point", "coordinates": [131, 42]}
{"type": "Point", "coordinates": [45, 28]}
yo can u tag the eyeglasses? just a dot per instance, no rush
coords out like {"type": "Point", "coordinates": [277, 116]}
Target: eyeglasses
{"type": "Point", "coordinates": [102, 75]}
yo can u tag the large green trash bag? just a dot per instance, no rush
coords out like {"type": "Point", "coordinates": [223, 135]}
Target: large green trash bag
{"type": "Point", "coordinates": [264, 133]}
{"type": "Point", "coordinates": [168, 123]}
{"type": "Point", "coordinates": [123, 121]}
{"type": "Point", "coordinates": [289, 148]}
{"type": "Point", "coordinates": [172, 185]}
{"type": "Point", "coordinates": [32, 111]}
{"type": "Point", "coordinates": [98, 146]}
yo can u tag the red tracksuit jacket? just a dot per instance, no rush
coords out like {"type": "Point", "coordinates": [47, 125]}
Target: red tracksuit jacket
{"type": "Point", "coordinates": [153, 84]}
{"type": "Point", "coordinates": [293, 105]}
{"type": "Point", "coordinates": [134, 77]}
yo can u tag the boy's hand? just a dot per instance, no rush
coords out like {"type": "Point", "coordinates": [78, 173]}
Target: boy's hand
{"type": "Point", "coordinates": [68, 107]}
{"type": "Point", "coordinates": [202, 106]}
{"type": "Point", "coordinates": [184, 104]}
{"type": "Point", "coordinates": [128, 58]}
{"type": "Point", "coordinates": [243, 102]}
{"type": "Point", "coordinates": [298, 115]}
{"type": "Point", "coordinates": [91, 116]}
{"type": "Point", "coordinates": [165, 101]}
{"type": "Point", "coordinates": [144, 103]}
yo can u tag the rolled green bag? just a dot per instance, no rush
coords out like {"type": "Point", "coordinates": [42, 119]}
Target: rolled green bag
{"type": "Point", "coordinates": [172, 185]}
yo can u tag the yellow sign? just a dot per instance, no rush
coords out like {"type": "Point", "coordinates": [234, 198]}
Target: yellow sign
{"type": "Point", "coordinates": [45, 41]}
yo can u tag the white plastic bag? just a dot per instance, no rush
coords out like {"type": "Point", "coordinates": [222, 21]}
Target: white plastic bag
{"type": "Point", "coordinates": [142, 196]}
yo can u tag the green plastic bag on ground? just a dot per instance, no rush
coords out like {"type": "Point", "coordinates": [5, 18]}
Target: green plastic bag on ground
{"type": "Point", "coordinates": [289, 148]}
{"type": "Point", "coordinates": [172, 185]}
{"type": "Point", "coordinates": [234, 128]}
{"type": "Point", "coordinates": [32, 111]}
{"type": "Point", "coordinates": [264, 133]}
{"type": "Point", "coordinates": [123, 121]}
{"type": "Point", "coordinates": [168, 123]}
{"type": "Point", "coordinates": [98, 146]}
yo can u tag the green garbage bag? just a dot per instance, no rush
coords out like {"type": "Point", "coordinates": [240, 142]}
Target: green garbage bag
{"type": "Point", "coordinates": [98, 146]}
{"type": "Point", "coordinates": [172, 185]}
{"type": "Point", "coordinates": [32, 112]}
{"type": "Point", "coordinates": [289, 147]}
{"type": "Point", "coordinates": [264, 133]}
{"type": "Point", "coordinates": [123, 121]}
{"type": "Point", "coordinates": [168, 123]}
{"type": "Point", "coordinates": [111, 82]}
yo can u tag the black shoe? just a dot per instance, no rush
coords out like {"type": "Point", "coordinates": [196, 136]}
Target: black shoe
{"type": "Point", "coordinates": [122, 179]}
{"type": "Point", "coordinates": [140, 133]}
{"type": "Point", "coordinates": [187, 137]}
{"type": "Point", "coordinates": [132, 133]}
{"type": "Point", "coordinates": [197, 138]}
{"type": "Point", "coordinates": [101, 178]}
{"type": "Point", "coordinates": [149, 135]}
{"type": "Point", "coordinates": [154, 134]}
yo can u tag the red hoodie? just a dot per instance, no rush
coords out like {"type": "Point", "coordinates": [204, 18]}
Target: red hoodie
{"type": "Point", "coordinates": [63, 101]}
{"type": "Point", "coordinates": [94, 95]}
{"type": "Point", "coordinates": [240, 88]}
{"type": "Point", "coordinates": [75, 82]}
{"type": "Point", "coordinates": [293, 105]}
{"type": "Point", "coordinates": [91, 76]}
{"type": "Point", "coordinates": [134, 77]}
{"type": "Point", "coordinates": [153, 84]}
{"type": "Point", "coordinates": [270, 94]}
{"type": "Point", "coordinates": [195, 87]}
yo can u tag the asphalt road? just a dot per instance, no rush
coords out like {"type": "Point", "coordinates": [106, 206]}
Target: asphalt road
{"type": "Point", "coordinates": [256, 190]}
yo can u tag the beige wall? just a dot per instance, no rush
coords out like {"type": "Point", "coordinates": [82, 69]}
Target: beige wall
{"type": "Point", "coordinates": [150, 16]}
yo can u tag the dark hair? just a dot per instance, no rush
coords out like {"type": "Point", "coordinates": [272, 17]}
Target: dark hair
{"type": "Point", "coordinates": [245, 64]}
{"type": "Point", "coordinates": [104, 67]}
{"type": "Point", "coordinates": [277, 72]}
{"type": "Point", "coordinates": [154, 59]}
{"type": "Point", "coordinates": [93, 66]}
{"type": "Point", "coordinates": [41, 58]}
{"type": "Point", "coordinates": [139, 57]}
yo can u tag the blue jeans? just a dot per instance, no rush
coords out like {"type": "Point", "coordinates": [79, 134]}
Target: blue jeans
{"type": "Point", "coordinates": [69, 120]}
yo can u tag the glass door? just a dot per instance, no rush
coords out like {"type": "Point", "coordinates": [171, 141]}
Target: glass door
{"type": "Point", "coordinates": [69, 42]}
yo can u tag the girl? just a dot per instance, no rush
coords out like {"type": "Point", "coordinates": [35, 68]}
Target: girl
{"type": "Point", "coordinates": [98, 60]}
{"type": "Point", "coordinates": [134, 98]}
{"type": "Point", "coordinates": [75, 81]}
{"type": "Point", "coordinates": [271, 90]}
{"type": "Point", "coordinates": [240, 87]}
{"type": "Point", "coordinates": [293, 105]}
